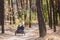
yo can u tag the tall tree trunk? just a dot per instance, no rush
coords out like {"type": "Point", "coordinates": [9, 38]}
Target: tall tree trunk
{"type": "Point", "coordinates": [26, 7]}
{"type": "Point", "coordinates": [50, 15]}
{"type": "Point", "coordinates": [9, 9]}
{"type": "Point", "coordinates": [25, 13]}
{"type": "Point", "coordinates": [13, 18]}
{"type": "Point", "coordinates": [30, 14]}
{"type": "Point", "coordinates": [26, 4]}
{"type": "Point", "coordinates": [18, 11]}
{"type": "Point", "coordinates": [21, 2]}
{"type": "Point", "coordinates": [42, 27]}
{"type": "Point", "coordinates": [54, 15]}
{"type": "Point", "coordinates": [59, 9]}
{"type": "Point", "coordinates": [2, 14]}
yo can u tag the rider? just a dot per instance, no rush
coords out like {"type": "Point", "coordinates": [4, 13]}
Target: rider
{"type": "Point", "coordinates": [21, 26]}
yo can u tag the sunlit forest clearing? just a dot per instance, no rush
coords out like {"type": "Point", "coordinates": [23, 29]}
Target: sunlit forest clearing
{"type": "Point", "coordinates": [29, 19]}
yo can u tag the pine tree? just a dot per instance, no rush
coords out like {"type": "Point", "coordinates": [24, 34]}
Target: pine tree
{"type": "Point", "coordinates": [42, 27]}
{"type": "Point", "coordinates": [2, 14]}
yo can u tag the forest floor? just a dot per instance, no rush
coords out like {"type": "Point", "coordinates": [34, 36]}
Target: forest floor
{"type": "Point", "coordinates": [31, 34]}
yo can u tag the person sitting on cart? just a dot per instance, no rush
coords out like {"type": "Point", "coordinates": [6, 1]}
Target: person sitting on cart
{"type": "Point", "coordinates": [21, 27]}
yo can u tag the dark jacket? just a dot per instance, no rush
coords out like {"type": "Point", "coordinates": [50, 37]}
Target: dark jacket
{"type": "Point", "coordinates": [20, 28]}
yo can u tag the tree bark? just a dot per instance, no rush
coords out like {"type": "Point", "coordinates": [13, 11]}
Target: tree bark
{"type": "Point", "coordinates": [18, 11]}
{"type": "Point", "coordinates": [2, 14]}
{"type": "Point", "coordinates": [50, 15]}
{"type": "Point", "coordinates": [13, 18]}
{"type": "Point", "coordinates": [30, 14]}
{"type": "Point", "coordinates": [42, 27]}
{"type": "Point", "coordinates": [54, 15]}
{"type": "Point", "coordinates": [59, 9]}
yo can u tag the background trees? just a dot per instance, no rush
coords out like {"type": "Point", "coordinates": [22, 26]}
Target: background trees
{"type": "Point", "coordinates": [17, 11]}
